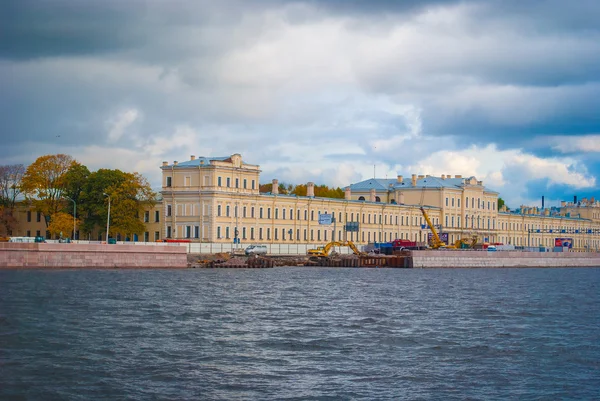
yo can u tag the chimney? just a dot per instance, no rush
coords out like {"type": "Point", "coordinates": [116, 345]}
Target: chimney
{"type": "Point", "coordinates": [443, 176]}
{"type": "Point", "coordinates": [427, 175]}
{"type": "Point", "coordinates": [275, 189]}
{"type": "Point", "coordinates": [347, 193]}
{"type": "Point", "coordinates": [165, 164]}
{"type": "Point", "coordinates": [414, 180]}
{"type": "Point", "coordinates": [175, 163]}
{"type": "Point", "coordinates": [400, 178]}
{"type": "Point", "coordinates": [458, 176]}
{"type": "Point", "coordinates": [192, 157]}
{"type": "Point", "coordinates": [310, 189]}
{"type": "Point", "coordinates": [480, 183]}
{"type": "Point", "coordinates": [563, 204]}
{"type": "Point", "coordinates": [421, 176]}
{"type": "Point", "coordinates": [372, 195]}
{"type": "Point", "coordinates": [542, 201]}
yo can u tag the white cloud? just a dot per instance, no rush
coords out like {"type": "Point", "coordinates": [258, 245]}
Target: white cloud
{"type": "Point", "coordinates": [557, 171]}
{"type": "Point", "coordinates": [573, 144]}
{"type": "Point", "coordinates": [118, 124]}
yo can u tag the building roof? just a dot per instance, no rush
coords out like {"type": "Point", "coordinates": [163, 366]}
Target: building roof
{"type": "Point", "coordinates": [380, 184]}
{"type": "Point", "coordinates": [349, 201]}
{"type": "Point", "coordinates": [199, 161]}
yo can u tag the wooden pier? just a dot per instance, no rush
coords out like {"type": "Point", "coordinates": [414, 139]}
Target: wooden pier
{"type": "Point", "coordinates": [397, 261]}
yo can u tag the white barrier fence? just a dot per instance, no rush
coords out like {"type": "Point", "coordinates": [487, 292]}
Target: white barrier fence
{"type": "Point", "coordinates": [211, 248]}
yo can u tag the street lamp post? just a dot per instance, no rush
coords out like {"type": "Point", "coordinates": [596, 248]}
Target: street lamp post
{"type": "Point", "coordinates": [108, 218]}
{"type": "Point", "coordinates": [74, 215]}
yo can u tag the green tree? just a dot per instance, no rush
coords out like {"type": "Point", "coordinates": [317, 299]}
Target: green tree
{"type": "Point", "coordinates": [75, 180]}
{"type": "Point", "coordinates": [500, 203]}
{"type": "Point", "coordinates": [44, 183]}
{"type": "Point", "coordinates": [130, 194]}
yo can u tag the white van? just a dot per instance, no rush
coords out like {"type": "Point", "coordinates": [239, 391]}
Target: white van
{"type": "Point", "coordinates": [256, 250]}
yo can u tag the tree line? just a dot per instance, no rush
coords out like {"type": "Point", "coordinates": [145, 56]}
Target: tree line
{"type": "Point", "coordinates": [58, 186]}
{"type": "Point", "coordinates": [321, 191]}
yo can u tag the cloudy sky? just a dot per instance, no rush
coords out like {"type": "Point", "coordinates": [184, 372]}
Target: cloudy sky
{"type": "Point", "coordinates": [328, 91]}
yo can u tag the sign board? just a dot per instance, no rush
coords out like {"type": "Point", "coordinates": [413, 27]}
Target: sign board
{"type": "Point", "coordinates": [563, 242]}
{"type": "Point", "coordinates": [325, 219]}
{"type": "Point", "coordinates": [352, 226]}
{"type": "Point", "coordinates": [443, 237]}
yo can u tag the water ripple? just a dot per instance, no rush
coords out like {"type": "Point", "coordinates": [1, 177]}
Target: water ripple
{"type": "Point", "coordinates": [300, 334]}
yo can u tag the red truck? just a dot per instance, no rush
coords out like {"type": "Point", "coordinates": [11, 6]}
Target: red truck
{"type": "Point", "coordinates": [399, 244]}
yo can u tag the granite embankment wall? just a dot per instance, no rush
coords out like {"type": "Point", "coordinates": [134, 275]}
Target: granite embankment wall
{"type": "Point", "coordinates": [90, 255]}
{"type": "Point", "coordinates": [446, 258]}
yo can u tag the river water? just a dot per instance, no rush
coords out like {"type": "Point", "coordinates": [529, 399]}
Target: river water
{"type": "Point", "coordinates": [300, 334]}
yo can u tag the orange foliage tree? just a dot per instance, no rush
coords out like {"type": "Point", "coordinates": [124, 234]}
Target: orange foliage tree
{"type": "Point", "coordinates": [44, 183]}
{"type": "Point", "coordinates": [61, 224]}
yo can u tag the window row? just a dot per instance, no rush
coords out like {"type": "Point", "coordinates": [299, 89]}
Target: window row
{"type": "Point", "coordinates": [283, 234]}
{"type": "Point", "coordinates": [228, 182]}
{"type": "Point", "coordinates": [367, 218]}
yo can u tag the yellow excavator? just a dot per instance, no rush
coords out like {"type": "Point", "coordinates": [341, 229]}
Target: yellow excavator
{"type": "Point", "coordinates": [466, 243]}
{"type": "Point", "coordinates": [437, 243]}
{"type": "Point", "coordinates": [323, 251]}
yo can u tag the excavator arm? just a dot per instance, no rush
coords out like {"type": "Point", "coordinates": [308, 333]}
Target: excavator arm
{"type": "Point", "coordinates": [353, 247]}
{"type": "Point", "coordinates": [324, 250]}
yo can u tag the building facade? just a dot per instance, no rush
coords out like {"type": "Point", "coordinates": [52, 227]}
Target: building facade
{"type": "Point", "coordinates": [217, 200]}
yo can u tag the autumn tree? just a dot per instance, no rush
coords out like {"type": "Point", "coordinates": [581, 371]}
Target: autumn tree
{"type": "Point", "coordinates": [268, 188]}
{"type": "Point", "coordinates": [321, 191]}
{"type": "Point", "coordinates": [10, 188]}
{"type": "Point", "coordinates": [61, 224]}
{"type": "Point", "coordinates": [44, 183]}
{"type": "Point", "coordinates": [299, 190]}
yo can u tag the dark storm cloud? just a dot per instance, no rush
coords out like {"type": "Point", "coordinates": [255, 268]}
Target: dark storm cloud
{"type": "Point", "coordinates": [31, 29]}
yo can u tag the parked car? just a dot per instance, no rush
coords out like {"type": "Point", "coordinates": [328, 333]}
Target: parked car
{"type": "Point", "coordinates": [256, 250]}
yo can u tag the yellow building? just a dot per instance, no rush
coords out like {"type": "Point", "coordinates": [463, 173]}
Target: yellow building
{"type": "Point", "coordinates": [217, 200]}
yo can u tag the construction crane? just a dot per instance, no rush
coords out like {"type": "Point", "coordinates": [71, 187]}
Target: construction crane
{"type": "Point", "coordinates": [323, 251]}
{"type": "Point", "coordinates": [435, 242]}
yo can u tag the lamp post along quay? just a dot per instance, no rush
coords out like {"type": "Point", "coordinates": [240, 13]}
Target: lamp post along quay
{"type": "Point", "coordinates": [74, 216]}
{"type": "Point", "coordinates": [108, 218]}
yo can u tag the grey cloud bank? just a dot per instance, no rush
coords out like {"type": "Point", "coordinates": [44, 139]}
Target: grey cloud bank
{"type": "Point", "coordinates": [327, 88]}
